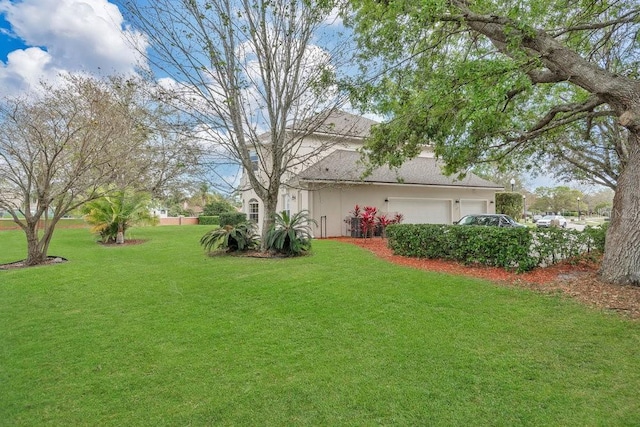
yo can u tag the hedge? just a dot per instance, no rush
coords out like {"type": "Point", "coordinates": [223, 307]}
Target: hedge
{"type": "Point", "coordinates": [520, 249]}
{"type": "Point", "coordinates": [232, 218]}
{"type": "Point", "coordinates": [208, 220]}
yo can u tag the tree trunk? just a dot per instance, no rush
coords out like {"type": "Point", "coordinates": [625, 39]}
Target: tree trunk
{"type": "Point", "coordinates": [35, 255]}
{"type": "Point", "coordinates": [120, 234]}
{"type": "Point", "coordinates": [621, 262]}
{"type": "Point", "coordinates": [37, 248]}
{"type": "Point", "coordinates": [270, 206]}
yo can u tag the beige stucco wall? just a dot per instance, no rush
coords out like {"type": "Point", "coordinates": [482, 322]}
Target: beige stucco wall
{"type": "Point", "coordinates": [335, 202]}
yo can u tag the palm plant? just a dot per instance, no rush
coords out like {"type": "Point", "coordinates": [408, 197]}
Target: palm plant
{"type": "Point", "coordinates": [112, 215]}
{"type": "Point", "coordinates": [231, 238]}
{"type": "Point", "coordinates": [290, 235]}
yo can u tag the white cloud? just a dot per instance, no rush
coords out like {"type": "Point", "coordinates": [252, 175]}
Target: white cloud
{"type": "Point", "coordinates": [86, 36]}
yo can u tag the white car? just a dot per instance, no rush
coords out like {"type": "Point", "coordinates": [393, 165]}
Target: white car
{"type": "Point", "coordinates": [545, 221]}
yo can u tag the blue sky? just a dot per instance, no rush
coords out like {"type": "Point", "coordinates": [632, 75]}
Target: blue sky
{"type": "Point", "coordinates": [8, 43]}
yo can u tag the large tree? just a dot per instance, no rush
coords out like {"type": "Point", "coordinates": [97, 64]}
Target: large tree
{"type": "Point", "coordinates": [65, 145]}
{"type": "Point", "coordinates": [501, 81]}
{"type": "Point", "coordinates": [251, 75]}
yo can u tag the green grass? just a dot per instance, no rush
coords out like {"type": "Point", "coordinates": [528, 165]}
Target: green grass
{"type": "Point", "coordinates": [160, 334]}
{"type": "Point", "coordinates": [7, 223]}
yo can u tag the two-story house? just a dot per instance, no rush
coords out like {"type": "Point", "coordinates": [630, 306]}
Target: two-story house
{"type": "Point", "coordinates": [329, 184]}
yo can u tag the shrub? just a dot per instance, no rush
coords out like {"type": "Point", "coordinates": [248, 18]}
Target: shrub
{"type": "Point", "coordinates": [368, 221]}
{"type": "Point", "coordinates": [365, 221]}
{"type": "Point", "coordinates": [232, 218]}
{"type": "Point", "coordinates": [509, 203]}
{"type": "Point", "coordinates": [208, 220]}
{"type": "Point", "coordinates": [240, 237]}
{"type": "Point", "coordinates": [290, 235]}
{"type": "Point", "coordinates": [217, 207]}
{"type": "Point", "coordinates": [598, 236]}
{"type": "Point", "coordinates": [492, 246]}
{"type": "Point", "coordinates": [518, 248]}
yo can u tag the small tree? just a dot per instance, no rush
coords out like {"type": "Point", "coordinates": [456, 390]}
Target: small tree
{"type": "Point", "coordinates": [57, 148]}
{"type": "Point", "coordinates": [62, 146]}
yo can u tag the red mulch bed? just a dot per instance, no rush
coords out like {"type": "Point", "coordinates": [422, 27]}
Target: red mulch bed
{"type": "Point", "coordinates": [578, 281]}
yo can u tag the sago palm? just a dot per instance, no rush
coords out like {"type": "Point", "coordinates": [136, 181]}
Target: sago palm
{"type": "Point", "coordinates": [231, 238]}
{"type": "Point", "coordinates": [290, 235]}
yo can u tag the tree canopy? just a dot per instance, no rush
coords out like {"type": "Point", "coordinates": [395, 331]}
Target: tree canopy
{"type": "Point", "coordinates": [511, 83]}
{"type": "Point", "coordinates": [497, 80]}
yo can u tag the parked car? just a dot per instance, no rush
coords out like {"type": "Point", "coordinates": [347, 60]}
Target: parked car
{"type": "Point", "coordinates": [494, 220]}
{"type": "Point", "coordinates": [546, 221]}
{"type": "Point", "coordinates": [536, 218]}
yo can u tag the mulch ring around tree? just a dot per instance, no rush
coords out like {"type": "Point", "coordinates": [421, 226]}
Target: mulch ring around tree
{"type": "Point", "coordinates": [51, 260]}
{"type": "Point", "coordinates": [578, 280]}
{"type": "Point", "coordinates": [253, 253]}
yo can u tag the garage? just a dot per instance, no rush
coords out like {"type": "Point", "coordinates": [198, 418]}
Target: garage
{"type": "Point", "coordinates": [422, 211]}
{"type": "Point", "coordinates": [472, 206]}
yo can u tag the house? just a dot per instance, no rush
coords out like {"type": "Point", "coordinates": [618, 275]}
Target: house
{"type": "Point", "coordinates": [329, 184]}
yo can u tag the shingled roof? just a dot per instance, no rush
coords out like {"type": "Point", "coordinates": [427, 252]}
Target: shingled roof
{"type": "Point", "coordinates": [340, 123]}
{"type": "Point", "coordinates": [343, 166]}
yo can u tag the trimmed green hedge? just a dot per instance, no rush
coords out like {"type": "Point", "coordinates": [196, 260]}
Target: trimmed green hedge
{"type": "Point", "coordinates": [520, 249]}
{"type": "Point", "coordinates": [494, 246]}
{"type": "Point", "coordinates": [208, 220]}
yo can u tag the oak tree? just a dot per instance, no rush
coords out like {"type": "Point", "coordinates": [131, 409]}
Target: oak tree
{"type": "Point", "coordinates": [502, 81]}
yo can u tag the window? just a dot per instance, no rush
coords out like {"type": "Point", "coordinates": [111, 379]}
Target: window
{"type": "Point", "coordinates": [285, 203]}
{"type": "Point", "coordinates": [254, 210]}
{"type": "Point", "coordinates": [253, 156]}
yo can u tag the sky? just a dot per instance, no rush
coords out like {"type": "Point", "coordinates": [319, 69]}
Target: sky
{"type": "Point", "coordinates": [43, 38]}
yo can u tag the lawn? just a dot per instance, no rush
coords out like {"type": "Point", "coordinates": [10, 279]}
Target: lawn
{"type": "Point", "coordinates": [160, 334]}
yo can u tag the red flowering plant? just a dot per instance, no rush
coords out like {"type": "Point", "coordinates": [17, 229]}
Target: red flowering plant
{"type": "Point", "coordinates": [355, 213]}
{"type": "Point", "coordinates": [383, 221]}
{"type": "Point", "coordinates": [368, 223]}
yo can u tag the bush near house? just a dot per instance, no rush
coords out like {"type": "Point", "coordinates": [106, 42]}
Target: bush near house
{"type": "Point", "coordinates": [290, 234]}
{"type": "Point", "coordinates": [367, 222]}
{"type": "Point", "coordinates": [493, 246]}
{"type": "Point", "coordinates": [231, 238]}
{"type": "Point", "coordinates": [519, 249]}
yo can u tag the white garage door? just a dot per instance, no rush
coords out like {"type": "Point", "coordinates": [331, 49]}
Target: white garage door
{"type": "Point", "coordinates": [422, 211]}
{"type": "Point", "coordinates": [468, 207]}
